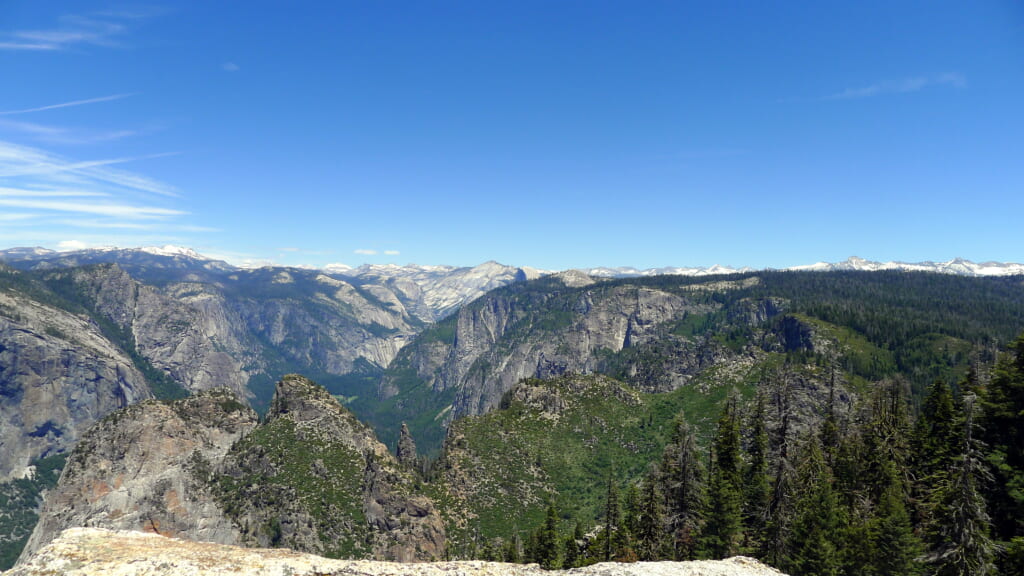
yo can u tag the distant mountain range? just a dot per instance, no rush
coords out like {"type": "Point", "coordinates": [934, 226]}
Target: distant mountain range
{"type": "Point", "coordinates": [460, 282]}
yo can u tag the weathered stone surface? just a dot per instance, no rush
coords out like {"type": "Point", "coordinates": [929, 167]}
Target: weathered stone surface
{"type": "Point", "coordinates": [58, 374]}
{"type": "Point", "coordinates": [146, 468]}
{"type": "Point", "coordinates": [503, 338]}
{"type": "Point", "coordinates": [406, 450]}
{"type": "Point", "coordinates": [95, 552]}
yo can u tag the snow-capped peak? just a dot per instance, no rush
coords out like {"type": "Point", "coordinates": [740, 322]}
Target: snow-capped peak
{"type": "Point", "coordinates": [171, 250]}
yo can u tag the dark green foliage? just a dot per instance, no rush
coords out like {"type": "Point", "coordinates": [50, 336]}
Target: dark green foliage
{"type": "Point", "coordinates": [1002, 421]}
{"type": "Point", "coordinates": [756, 488]}
{"type": "Point", "coordinates": [684, 489]}
{"type": "Point", "coordinates": [549, 543]}
{"type": "Point", "coordinates": [650, 534]}
{"type": "Point", "coordinates": [723, 529]}
{"type": "Point", "coordinates": [572, 553]}
{"type": "Point", "coordinates": [1012, 561]}
{"type": "Point", "coordinates": [613, 524]}
{"type": "Point", "coordinates": [816, 532]}
{"type": "Point", "coordinates": [19, 502]}
{"type": "Point", "coordinates": [895, 546]}
{"type": "Point", "coordinates": [960, 539]}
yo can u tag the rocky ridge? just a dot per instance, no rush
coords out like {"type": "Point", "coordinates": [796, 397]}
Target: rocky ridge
{"type": "Point", "coordinates": [563, 326]}
{"type": "Point", "coordinates": [143, 468]}
{"type": "Point", "coordinates": [314, 478]}
{"type": "Point", "coordinates": [310, 477]}
{"type": "Point", "coordinates": [93, 552]}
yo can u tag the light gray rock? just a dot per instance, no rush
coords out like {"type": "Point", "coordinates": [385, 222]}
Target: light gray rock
{"type": "Point", "coordinates": [147, 468]}
{"type": "Point", "coordinates": [95, 552]}
{"type": "Point", "coordinates": [58, 374]}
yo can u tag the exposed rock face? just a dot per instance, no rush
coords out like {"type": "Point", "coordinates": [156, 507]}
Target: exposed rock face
{"type": "Point", "coordinates": [94, 552]}
{"type": "Point", "coordinates": [507, 336]}
{"type": "Point", "coordinates": [434, 292]}
{"type": "Point", "coordinates": [186, 330]}
{"type": "Point", "coordinates": [310, 477]}
{"type": "Point", "coordinates": [316, 479]}
{"type": "Point", "coordinates": [58, 374]}
{"type": "Point", "coordinates": [146, 468]}
{"type": "Point", "coordinates": [406, 451]}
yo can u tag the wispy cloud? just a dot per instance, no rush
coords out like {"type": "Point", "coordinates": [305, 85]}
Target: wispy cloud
{"type": "Point", "coordinates": [67, 104]}
{"type": "Point", "coordinates": [103, 209]}
{"type": "Point", "coordinates": [29, 193]}
{"type": "Point", "coordinates": [13, 217]}
{"type": "Point", "coordinates": [230, 67]}
{"type": "Point", "coordinates": [70, 32]}
{"type": "Point", "coordinates": [56, 195]}
{"type": "Point", "coordinates": [392, 252]}
{"type": "Point", "coordinates": [59, 135]}
{"type": "Point", "coordinates": [22, 161]}
{"type": "Point", "coordinates": [904, 86]}
{"type": "Point", "coordinates": [365, 252]}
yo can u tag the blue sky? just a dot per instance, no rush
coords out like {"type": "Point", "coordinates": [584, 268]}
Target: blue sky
{"type": "Point", "coordinates": [553, 134]}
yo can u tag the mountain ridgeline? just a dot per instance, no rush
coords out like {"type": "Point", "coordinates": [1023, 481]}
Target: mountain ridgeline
{"type": "Point", "coordinates": [662, 333]}
{"type": "Point", "coordinates": [510, 397]}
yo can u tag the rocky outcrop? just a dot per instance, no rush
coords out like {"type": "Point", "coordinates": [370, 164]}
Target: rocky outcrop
{"type": "Point", "coordinates": [58, 374]}
{"type": "Point", "coordinates": [94, 552]}
{"type": "Point", "coordinates": [147, 468]}
{"type": "Point", "coordinates": [435, 292]}
{"type": "Point", "coordinates": [184, 329]}
{"type": "Point", "coordinates": [311, 477]}
{"type": "Point", "coordinates": [231, 328]}
{"type": "Point", "coordinates": [314, 478]}
{"type": "Point", "coordinates": [406, 450]}
{"type": "Point", "coordinates": [546, 332]}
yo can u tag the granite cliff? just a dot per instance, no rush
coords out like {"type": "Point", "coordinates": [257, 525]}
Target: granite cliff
{"type": "Point", "coordinates": [58, 374]}
{"type": "Point", "coordinates": [310, 477]}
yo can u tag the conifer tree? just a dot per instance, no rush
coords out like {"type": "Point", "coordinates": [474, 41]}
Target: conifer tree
{"type": "Point", "coordinates": [549, 543]}
{"type": "Point", "coordinates": [612, 520]}
{"type": "Point", "coordinates": [723, 528]}
{"type": "Point", "coordinates": [572, 553]}
{"type": "Point", "coordinates": [757, 489]}
{"type": "Point", "coordinates": [780, 509]}
{"type": "Point", "coordinates": [650, 535]}
{"type": "Point", "coordinates": [817, 525]}
{"type": "Point", "coordinates": [631, 514]}
{"type": "Point", "coordinates": [683, 486]}
{"type": "Point", "coordinates": [961, 544]}
{"type": "Point", "coordinates": [514, 548]}
{"type": "Point", "coordinates": [1002, 417]}
{"type": "Point", "coordinates": [894, 545]}
{"type": "Point", "coordinates": [935, 445]}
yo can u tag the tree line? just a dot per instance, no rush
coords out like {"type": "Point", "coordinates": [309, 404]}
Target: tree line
{"type": "Point", "coordinates": [887, 491]}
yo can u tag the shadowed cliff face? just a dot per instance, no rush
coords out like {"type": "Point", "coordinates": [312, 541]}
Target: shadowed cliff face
{"type": "Point", "coordinates": [58, 374]}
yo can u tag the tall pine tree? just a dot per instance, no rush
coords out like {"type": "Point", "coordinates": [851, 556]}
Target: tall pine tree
{"type": "Point", "coordinates": [683, 486]}
{"type": "Point", "coordinates": [961, 544]}
{"type": "Point", "coordinates": [650, 535]}
{"type": "Point", "coordinates": [817, 527]}
{"type": "Point", "coordinates": [757, 490]}
{"type": "Point", "coordinates": [1002, 416]}
{"type": "Point", "coordinates": [724, 525]}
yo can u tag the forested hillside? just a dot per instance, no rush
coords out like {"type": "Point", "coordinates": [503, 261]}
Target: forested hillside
{"type": "Point", "coordinates": [576, 471]}
{"type": "Point", "coordinates": [660, 333]}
